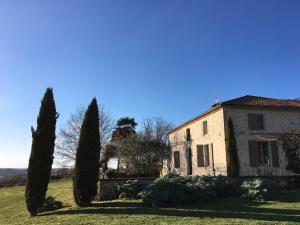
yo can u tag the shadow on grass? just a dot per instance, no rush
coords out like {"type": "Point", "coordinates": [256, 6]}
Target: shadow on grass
{"type": "Point", "coordinates": [231, 209]}
{"type": "Point", "coordinates": [290, 196]}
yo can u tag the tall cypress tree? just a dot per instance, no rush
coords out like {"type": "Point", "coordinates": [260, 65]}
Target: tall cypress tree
{"type": "Point", "coordinates": [87, 158]}
{"type": "Point", "coordinates": [41, 157]}
{"type": "Point", "coordinates": [233, 166]}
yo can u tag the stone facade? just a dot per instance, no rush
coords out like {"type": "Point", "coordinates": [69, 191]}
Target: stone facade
{"type": "Point", "coordinates": [276, 122]}
{"type": "Point", "coordinates": [215, 139]}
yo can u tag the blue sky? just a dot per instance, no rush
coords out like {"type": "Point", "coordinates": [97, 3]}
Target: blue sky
{"type": "Point", "coordinates": [140, 58]}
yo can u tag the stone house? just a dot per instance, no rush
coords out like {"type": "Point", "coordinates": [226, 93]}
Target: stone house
{"type": "Point", "coordinates": [198, 146]}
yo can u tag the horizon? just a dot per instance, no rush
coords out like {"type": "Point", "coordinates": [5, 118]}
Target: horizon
{"type": "Point", "coordinates": [141, 59]}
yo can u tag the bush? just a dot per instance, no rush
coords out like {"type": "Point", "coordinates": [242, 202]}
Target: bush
{"type": "Point", "coordinates": [170, 190]}
{"type": "Point", "coordinates": [173, 190]}
{"type": "Point", "coordinates": [258, 189]}
{"type": "Point", "coordinates": [132, 188]}
{"type": "Point", "coordinates": [50, 204]}
{"type": "Point", "coordinates": [227, 186]}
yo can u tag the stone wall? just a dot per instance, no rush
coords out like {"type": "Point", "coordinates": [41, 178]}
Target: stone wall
{"type": "Point", "coordinates": [275, 122]}
{"type": "Point", "coordinates": [215, 136]}
{"type": "Point", "coordinates": [108, 188]}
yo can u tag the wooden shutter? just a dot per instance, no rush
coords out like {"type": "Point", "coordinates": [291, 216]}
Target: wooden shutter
{"type": "Point", "coordinates": [176, 159]}
{"type": "Point", "coordinates": [188, 134]}
{"type": "Point", "coordinates": [274, 152]}
{"type": "Point", "coordinates": [212, 155]}
{"type": "Point", "coordinates": [200, 158]}
{"type": "Point", "coordinates": [251, 121]}
{"type": "Point", "coordinates": [260, 122]}
{"type": "Point", "coordinates": [206, 154]}
{"type": "Point", "coordinates": [253, 154]}
{"type": "Point", "coordinates": [255, 121]}
{"type": "Point", "coordinates": [205, 128]}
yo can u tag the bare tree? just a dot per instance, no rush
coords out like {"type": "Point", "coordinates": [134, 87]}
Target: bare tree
{"type": "Point", "coordinates": [68, 137]}
{"type": "Point", "coordinates": [156, 129]}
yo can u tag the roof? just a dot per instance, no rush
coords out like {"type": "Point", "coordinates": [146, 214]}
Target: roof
{"type": "Point", "coordinates": [248, 101]}
{"type": "Point", "coordinates": [256, 101]}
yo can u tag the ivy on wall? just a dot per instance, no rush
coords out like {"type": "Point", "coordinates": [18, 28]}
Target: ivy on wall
{"type": "Point", "coordinates": [291, 148]}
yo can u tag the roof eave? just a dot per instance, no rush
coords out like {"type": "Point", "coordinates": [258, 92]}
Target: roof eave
{"type": "Point", "coordinates": [195, 118]}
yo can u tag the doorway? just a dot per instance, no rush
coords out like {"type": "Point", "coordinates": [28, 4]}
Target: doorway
{"type": "Point", "coordinates": [189, 162]}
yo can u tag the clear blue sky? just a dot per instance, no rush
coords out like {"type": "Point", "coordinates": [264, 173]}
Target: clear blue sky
{"type": "Point", "coordinates": [140, 58]}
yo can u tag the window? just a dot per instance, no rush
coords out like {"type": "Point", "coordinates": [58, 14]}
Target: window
{"type": "Point", "coordinates": [203, 155]}
{"type": "Point", "coordinates": [255, 121]}
{"type": "Point", "coordinates": [275, 155]}
{"type": "Point", "coordinates": [176, 159]}
{"type": "Point", "coordinates": [260, 155]}
{"type": "Point", "coordinates": [263, 153]}
{"type": "Point", "coordinates": [205, 128]}
{"type": "Point", "coordinates": [188, 134]}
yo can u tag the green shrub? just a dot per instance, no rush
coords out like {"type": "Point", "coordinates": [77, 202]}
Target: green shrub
{"type": "Point", "coordinates": [132, 188]}
{"type": "Point", "coordinates": [227, 186]}
{"type": "Point", "coordinates": [258, 189]}
{"type": "Point", "coordinates": [173, 190]}
{"type": "Point", "coordinates": [50, 204]}
{"type": "Point", "coordinates": [170, 190]}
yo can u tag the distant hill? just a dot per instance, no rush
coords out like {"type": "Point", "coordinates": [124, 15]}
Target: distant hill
{"type": "Point", "coordinates": [12, 171]}
{"type": "Point", "coordinates": [17, 171]}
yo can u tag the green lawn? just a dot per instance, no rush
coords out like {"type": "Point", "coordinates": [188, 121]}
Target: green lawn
{"type": "Point", "coordinates": [230, 211]}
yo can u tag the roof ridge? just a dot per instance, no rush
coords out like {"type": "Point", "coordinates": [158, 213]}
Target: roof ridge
{"type": "Point", "coordinates": [262, 97]}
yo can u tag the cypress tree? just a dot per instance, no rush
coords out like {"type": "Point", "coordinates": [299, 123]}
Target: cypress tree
{"type": "Point", "coordinates": [41, 157]}
{"type": "Point", "coordinates": [231, 151]}
{"type": "Point", "coordinates": [87, 158]}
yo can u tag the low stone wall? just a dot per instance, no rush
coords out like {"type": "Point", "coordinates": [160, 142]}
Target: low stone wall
{"type": "Point", "coordinates": [108, 188]}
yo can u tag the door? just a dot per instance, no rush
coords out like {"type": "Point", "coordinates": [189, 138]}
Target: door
{"type": "Point", "coordinates": [189, 162]}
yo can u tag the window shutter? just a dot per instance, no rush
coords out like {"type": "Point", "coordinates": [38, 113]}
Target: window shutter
{"type": "Point", "coordinates": [205, 128]}
{"type": "Point", "coordinates": [200, 159]}
{"type": "Point", "coordinates": [253, 154]}
{"type": "Point", "coordinates": [206, 152]}
{"type": "Point", "coordinates": [255, 121]}
{"type": "Point", "coordinates": [176, 159]}
{"type": "Point", "coordinates": [261, 147]}
{"type": "Point", "coordinates": [260, 121]}
{"type": "Point", "coordinates": [251, 122]}
{"type": "Point", "coordinates": [188, 134]}
{"type": "Point", "coordinates": [274, 152]}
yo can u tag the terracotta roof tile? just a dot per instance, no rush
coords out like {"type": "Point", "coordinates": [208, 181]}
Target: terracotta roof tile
{"type": "Point", "coordinates": [255, 101]}
{"type": "Point", "coordinates": [249, 101]}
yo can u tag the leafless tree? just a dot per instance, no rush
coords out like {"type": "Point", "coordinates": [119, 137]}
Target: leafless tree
{"type": "Point", "coordinates": [156, 129]}
{"type": "Point", "coordinates": [67, 140]}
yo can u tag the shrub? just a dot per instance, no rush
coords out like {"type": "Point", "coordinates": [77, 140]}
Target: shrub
{"type": "Point", "coordinates": [173, 190]}
{"type": "Point", "coordinates": [227, 186]}
{"type": "Point", "coordinates": [258, 189]}
{"type": "Point", "coordinates": [50, 204]}
{"type": "Point", "coordinates": [132, 188]}
{"type": "Point", "coordinates": [170, 190]}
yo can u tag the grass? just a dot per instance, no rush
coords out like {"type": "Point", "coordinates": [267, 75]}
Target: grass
{"type": "Point", "coordinates": [227, 211]}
